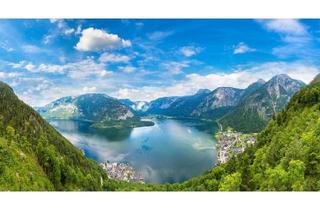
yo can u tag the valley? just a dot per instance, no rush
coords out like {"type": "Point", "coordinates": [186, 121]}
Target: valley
{"type": "Point", "coordinates": [105, 128]}
{"type": "Point", "coordinates": [172, 147]}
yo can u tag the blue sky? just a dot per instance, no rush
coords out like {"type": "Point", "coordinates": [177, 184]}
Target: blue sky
{"type": "Point", "coordinates": [139, 59]}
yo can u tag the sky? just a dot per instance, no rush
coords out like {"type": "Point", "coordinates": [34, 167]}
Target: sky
{"type": "Point", "coordinates": [144, 59]}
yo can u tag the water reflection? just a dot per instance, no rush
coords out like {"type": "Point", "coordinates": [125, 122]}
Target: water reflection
{"type": "Point", "coordinates": [169, 151]}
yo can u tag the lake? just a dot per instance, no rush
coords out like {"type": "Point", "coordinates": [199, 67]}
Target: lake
{"type": "Point", "coordinates": [170, 151]}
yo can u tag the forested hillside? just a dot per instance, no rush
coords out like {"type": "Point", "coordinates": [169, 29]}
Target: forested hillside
{"type": "Point", "coordinates": [286, 156]}
{"type": "Point", "coordinates": [257, 107]}
{"type": "Point", "coordinates": [34, 156]}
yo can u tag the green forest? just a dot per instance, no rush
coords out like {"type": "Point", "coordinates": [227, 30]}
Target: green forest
{"type": "Point", "coordinates": [286, 157]}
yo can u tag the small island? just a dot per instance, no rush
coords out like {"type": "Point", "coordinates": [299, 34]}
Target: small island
{"type": "Point", "coordinates": [231, 143]}
{"type": "Point", "coordinates": [122, 172]}
{"type": "Point", "coordinates": [129, 123]}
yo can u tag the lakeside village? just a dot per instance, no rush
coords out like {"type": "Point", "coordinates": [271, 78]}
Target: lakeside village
{"type": "Point", "coordinates": [231, 143]}
{"type": "Point", "coordinates": [121, 171]}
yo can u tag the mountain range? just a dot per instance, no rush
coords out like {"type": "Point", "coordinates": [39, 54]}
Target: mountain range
{"type": "Point", "coordinates": [246, 110]}
{"type": "Point", "coordinates": [286, 156]}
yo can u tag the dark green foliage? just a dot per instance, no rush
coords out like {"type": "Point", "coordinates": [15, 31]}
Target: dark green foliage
{"type": "Point", "coordinates": [257, 106]}
{"type": "Point", "coordinates": [31, 146]}
{"type": "Point", "coordinates": [286, 156]}
{"type": "Point", "coordinates": [246, 121]}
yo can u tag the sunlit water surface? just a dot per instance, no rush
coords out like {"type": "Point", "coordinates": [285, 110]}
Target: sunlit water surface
{"type": "Point", "coordinates": [170, 151]}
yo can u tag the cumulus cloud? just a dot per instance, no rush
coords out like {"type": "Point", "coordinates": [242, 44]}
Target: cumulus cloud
{"type": "Point", "coordinates": [96, 40]}
{"type": "Point", "coordinates": [189, 51]}
{"type": "Point", "coordinates": [114, 58]}
{"type": "Point", "coordinates": [242, 48]}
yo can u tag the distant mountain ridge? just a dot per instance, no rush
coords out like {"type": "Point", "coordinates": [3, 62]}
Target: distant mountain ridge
{"type": "Point", "coordinates": [246, 110]}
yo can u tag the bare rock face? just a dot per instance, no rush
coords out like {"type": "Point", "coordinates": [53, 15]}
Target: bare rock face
{"type": "Point", "coordinates": [256, 108]}
{"type": "Point", "coordinates": [220, 97]}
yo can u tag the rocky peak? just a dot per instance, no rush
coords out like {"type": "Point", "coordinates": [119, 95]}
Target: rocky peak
{"type": "Point", "coordinates": [203, 91]}
{"type": "Point", "coordinates": [283, 82]}
{"type": "Point", "coordinates": [260, 81]}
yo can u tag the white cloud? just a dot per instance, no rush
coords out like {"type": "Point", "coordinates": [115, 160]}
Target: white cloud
{"type": "Point", "coordinates": [20, 64]}
{"type": "Point", "coordinates": [30, 67]}
{"type": "Point", "coordinates": [51, 68]}
{"type": "Point", "coordinates": [79, 29]}
{"type": "Point", "coordinates": [69, 31]}
{"type": "Point", "coordinates": [7, 75]}
{"type": "Point", "coordinates": [97, 40]}
{"type": "Point", "coordinates": [284, 26]}
{"type": "Point", "coordinates": [75, 70]}
{"type": "Point", "coordinates": [175, 67]}
{"type": "Point", "coordinates": [297, 40]}
{"type": "Point", "coordinates": [61, 29]}
{"type": "Point", "coordinates": [242, 48]}
{"type": "Point", "coordinates": [159, 35]}
{"type": "Point", "coordinates": [47, 38]}
{"type": "Point", "coordinates": [63, 26]}
{"type": "Point", "coordinates": [128, 69]}
{"type": "Point", "coordinates": [114, 58]}
{"type": "Point", "coordinates": [189, 51]}
{"type": "Point", "coordinates": [89, 89]}
{"type": "Point", "coordinates": [86, 68]}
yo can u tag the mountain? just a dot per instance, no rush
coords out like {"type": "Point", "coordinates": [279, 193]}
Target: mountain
{"type": "Point", "coordinates": [218, 102]}
{"type": "Point", "coordinates": [34, 156]}
{"type": "Point", "coordinates": [93, 107]}
{"type": "Point", "coordinates": [257, 106]}
{"type": "Point", "coordinates": [138, 106]}
{"type": "Point", "coordinates": [316, 79]}
{"type": "Point", "coordinates": [179, 106]}
{"type": "Point", "coordinates": [285, 157]}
